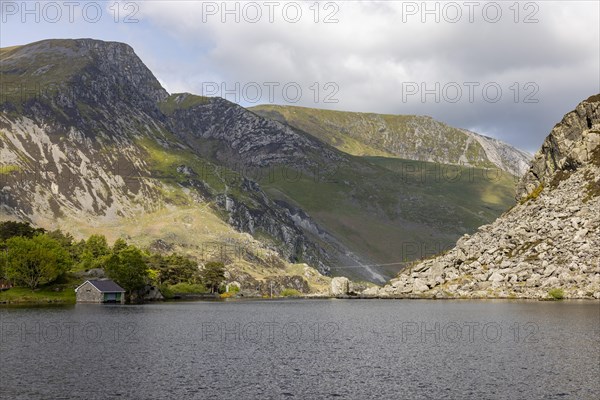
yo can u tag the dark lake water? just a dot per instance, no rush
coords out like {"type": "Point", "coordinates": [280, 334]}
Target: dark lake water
{"type": "Point", "coordinates": [304, 349]}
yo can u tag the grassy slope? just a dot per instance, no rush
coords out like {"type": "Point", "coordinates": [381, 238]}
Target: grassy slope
{"type": "Point", "coordinates": [41, 296]}
{"type": "Point", "coordinates": [6, 50]}
{"type": "Point", "coordinates": [305, 120]}
{"type": "Point", "coordinates": [181, 101]}
{"type": "Point", "coordinates": [30, 68]}
{"type": "Point", "coordinates": [387, 213]}
{"type": "Point", "coordinates": [402, 209]}
{"type": "Point", "coordinates": [368, 134]}
{"type": "Point", "coordinates": [472, 188]}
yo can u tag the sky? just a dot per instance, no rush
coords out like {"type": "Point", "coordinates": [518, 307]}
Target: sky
{"type": "Point", "coordinates": [505, 69]}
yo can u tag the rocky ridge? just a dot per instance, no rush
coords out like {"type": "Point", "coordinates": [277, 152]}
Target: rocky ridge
{"type": "Point", "coordinates": [410, 137]}
{"type": "Point", "coordinates": [547, 245]}
{"type": "Point", "coordinates": [502, 155]}
{"type": "Point", "coordinates": [252, 141]}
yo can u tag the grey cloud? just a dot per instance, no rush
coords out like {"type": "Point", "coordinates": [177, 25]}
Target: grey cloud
{"type": "Point", "coordinates": [371, 53]}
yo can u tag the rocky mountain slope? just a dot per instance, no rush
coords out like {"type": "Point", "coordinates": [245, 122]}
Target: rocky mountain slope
{"type": "Point", "coordinates": [548, 244]}
{"type": "Point", "coordinates": [85, 147]}
{"type": "Point", "coordinates": [347, 204]}
{"type": "Point", "coordinates": [91, 142]}
{"type": "Point", "coordinates": [409, 137]}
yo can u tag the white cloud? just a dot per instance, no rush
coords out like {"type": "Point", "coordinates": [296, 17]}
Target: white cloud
{"type": "Point", "coordinates": [374, 50]}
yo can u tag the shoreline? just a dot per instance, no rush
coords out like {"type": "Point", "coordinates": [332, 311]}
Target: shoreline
{"type": "Point", "coordinates": [57, 302]}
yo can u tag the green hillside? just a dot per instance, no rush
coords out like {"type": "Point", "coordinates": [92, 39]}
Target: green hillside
{"type": "Point", "coordinates": [367, 134]}
{"type": "Point", "coordinates": [411, 137]}
{"type": "Point", "coordinates": [392, 210]}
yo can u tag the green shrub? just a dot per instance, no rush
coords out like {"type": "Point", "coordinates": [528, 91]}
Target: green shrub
{"type": "Point", "coordinates": [556, 294]}
{"type": "Point", "coordinates": [188, 288]}
{"type": "Point", "coordinates": [592, 187]}
{"type": "Point", "coordinates": [290, 293]}
{"type": "Point", "coordinates": [233, 289]}
{"type": "Point", "coordinates": [534, 194]}
{"type": "Point", "coordinates": [166, 291]}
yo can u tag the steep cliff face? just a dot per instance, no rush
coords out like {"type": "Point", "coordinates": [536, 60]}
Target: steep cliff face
{"type": "Point", "coordinates": [550, 241]}
{"type": "Point", "coordinates": [68, 134]}
{"type": "Point", "coordinates": [244, 139]}
{"type": "Point", "coordinates": [409, 137]}
{"type": "Point", "coordinates": [72, 73]}
{"type": "Point", "coordinates": [573, 143]}
{"type": "Point", "coordinates": [502, 155]}
{"type": "Point", "coordinates": [86, 139]}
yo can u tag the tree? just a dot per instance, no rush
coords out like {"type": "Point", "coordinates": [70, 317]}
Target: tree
{"type": "Point", "coordinates": [213, 275]}
{"type": "Point", "coordinates": [154, 276]}
{"type": "Point", "coordinates": [67, 241]}
{"type": "Point", "coordinates": [128, 268]}
{"type": "Point", "coordinates": [119, 245]}
{"type": "Point", "coordinates": [9, 229]}
{"type": "Point", "coordinates": [174, 269]}
{"type": "Point", "coordinates": [77, 249]}
{"type": "Point", "coordinates": [96, 247]}
{"type": "Point", "coordinates": [36, 261]}
{"type": "Point", "coordinates": [158, 264]}
{"type": "Point", "coordinates": [3, 261]}
{"type": "Point", "coordinates": [182, 269]}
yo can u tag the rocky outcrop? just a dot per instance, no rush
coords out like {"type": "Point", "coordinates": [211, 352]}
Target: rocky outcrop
{"type": "Point", "coordinates": [572, 144]}
{"type": "Point", "coordinates": [246, 140]}
{"type": "Point", "coordinates": [267, 217]}
{"type": "Point", "coordinates": [503, 155]}
{"type": "Point", "coordinates": [547, 245]}
{"type": "Point", "coordinates": [277, 284]}
{"type": "Point", "coordinates": [340, 286]}
{"type": "Point", "coordinates": [271, 285]}
{"type": "Point", "coordinates": [151, 293]}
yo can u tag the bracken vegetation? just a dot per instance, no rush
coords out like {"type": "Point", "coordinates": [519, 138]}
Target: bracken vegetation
{"type": "Point", "coordinates": [592, 188]}
{"type": "Point", "coordinates": [556, 294]}
{"type": "Point", "coordinates": [558, 177]}
{"type": "Point", "coordinates": [535, 193]}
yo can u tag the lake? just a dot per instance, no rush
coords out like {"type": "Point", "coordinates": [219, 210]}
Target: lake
{"type": "Point", "coordinates": [305, 349]}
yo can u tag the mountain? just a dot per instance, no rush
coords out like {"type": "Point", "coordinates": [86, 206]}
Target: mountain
{"type": "Point", "coordinates": [409, 137]}
{"type": "Point", "coordinates": [86, 148]}
{"type": "Point", "coordinates": [92, 143]}
{"type": "Point", "coordinates": [548, 245]}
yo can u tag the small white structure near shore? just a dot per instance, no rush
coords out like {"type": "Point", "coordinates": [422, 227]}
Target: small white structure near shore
{"type": "Point", "coordinates": [100, 291]}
